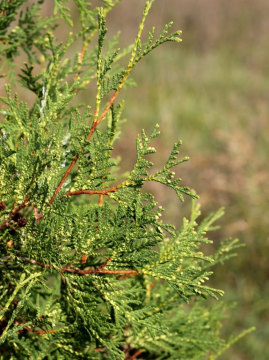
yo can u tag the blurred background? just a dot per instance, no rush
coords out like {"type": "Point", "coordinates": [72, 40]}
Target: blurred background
{"type": "Point", "coordinates": [212, 92]}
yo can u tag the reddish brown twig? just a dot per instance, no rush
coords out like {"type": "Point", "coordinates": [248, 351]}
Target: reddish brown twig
{"type": "Point", "coordinates": [126, 276]}
{"type": "Point", "coordinates": [39, 332]}
{"type": "Point", "coordinates": [68, 171]}
{"type": "Point", "coordinates": [93, 192]}
{"type": "Point", "coordinates": [152, 284]}
{"type": "Point", "coordinates": [105, 263]}
{"type": "Point", "coordinates": [2, 206]}
{"type": "Point", "coordinates": [9, 244]}
{"type": "Point", "coordinates": [99, 270]}
{"type": "Point", "coordinates": [83, 258]}
{"type": "Point", "coordinates": [135, 355]}
{"type": "Point", "coordinates": [66, 174]}
{"type": "Point", "coordinates": [101, 199]}
{"type": "Point", "coordinates": [110, 103]}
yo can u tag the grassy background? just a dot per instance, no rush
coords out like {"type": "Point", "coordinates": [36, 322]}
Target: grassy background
{"type": "Point", "coordinates": [212, 92]}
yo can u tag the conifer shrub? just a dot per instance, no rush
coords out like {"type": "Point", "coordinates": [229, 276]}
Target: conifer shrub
{"type": "Point", "coordinates": [88, 268]}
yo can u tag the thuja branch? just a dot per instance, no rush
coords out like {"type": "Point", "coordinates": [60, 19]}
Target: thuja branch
{"type": "Point", "coordinates": [131, 65]}
{"type": "Point", "coordinates": [68, 269]}
{"type": "Point", "coordinates": [97, 120]}
{"type": "Point", "coordinates": [92, 129]}
{"type": "Point", "coordinates": [22, 282]}
{"type": "Point", "coordinates": [128, 233]}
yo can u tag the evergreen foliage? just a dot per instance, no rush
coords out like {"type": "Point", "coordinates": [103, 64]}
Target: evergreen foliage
{"type": "Point", "coordinates": [88, 268]}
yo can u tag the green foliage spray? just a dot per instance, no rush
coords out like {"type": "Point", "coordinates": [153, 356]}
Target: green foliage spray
{"type": "Point", "coordinates": [88, 268]}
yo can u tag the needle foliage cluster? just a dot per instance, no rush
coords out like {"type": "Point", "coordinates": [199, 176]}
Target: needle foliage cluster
{"type": "Point", "coordinates": [88, 269]}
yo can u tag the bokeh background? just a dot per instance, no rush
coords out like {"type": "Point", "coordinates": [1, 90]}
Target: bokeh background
{"type": "Point", "coordinates": [212, 92]}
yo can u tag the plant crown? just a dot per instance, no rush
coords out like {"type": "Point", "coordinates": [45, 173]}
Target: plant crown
{"type": "Point", "coordinates": [88, 268]}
